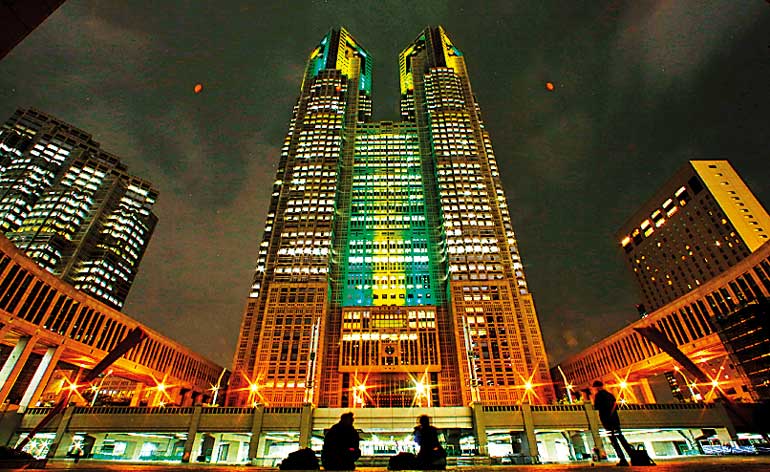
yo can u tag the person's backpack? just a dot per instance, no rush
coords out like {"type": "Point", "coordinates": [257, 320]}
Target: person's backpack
{"type": "Point", "coordinates": [303, 459]}
{"type": "Point", "coordinates": [639, 457]}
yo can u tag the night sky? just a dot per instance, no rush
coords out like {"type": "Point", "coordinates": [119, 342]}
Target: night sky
{"type": "Point", "coordinates": [640, 87]}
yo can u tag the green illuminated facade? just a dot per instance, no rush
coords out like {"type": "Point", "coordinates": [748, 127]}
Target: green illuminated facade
{"type": "Point", "coordinates": [389, 273]}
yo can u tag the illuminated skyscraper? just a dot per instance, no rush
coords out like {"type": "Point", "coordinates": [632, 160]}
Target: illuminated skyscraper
{"type": "Point", "coordinates": [73, 207]}
{"type": "Point", "coordinates": [697, 225]}
{"type": "Point", "coordinates": [388, 274]}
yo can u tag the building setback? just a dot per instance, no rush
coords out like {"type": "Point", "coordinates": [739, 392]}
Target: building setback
{"type": "Point", "coordinates": [72, 207]}
{"type": "Point", "coordinates": [697, 225]}
{"type": "Point", "coordinates": [388, 274]}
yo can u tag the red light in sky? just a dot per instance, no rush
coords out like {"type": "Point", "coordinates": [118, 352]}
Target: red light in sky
{"type": "Point", "coordinates": [198, 88]}
{"type": "Point", "coordinates": [549, 86]}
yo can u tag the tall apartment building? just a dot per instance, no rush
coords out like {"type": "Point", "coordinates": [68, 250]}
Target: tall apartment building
{"type": "Point", "coordinates": [71, 206]}
{"type": "Point", "coordinates": [697, 225]}
{"type": "Point", "coordinates": [388, 274]}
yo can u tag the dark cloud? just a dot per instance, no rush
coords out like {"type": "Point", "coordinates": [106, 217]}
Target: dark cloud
{"type": "Point", "coordinates": [639, 88]}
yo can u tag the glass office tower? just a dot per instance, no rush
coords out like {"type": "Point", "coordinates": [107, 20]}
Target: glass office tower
{"type": "Point", "coordinates": [388, 274]}
{"type": "Point", "coordinates": [71, 206]}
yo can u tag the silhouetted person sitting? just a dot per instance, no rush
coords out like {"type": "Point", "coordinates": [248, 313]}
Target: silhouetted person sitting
{"type": "Point", "coordinates": [431, 455]}
{"type": "Point", "coordinates": [604, 403]}
{"type": "Point", "coordinates": [340, 450]}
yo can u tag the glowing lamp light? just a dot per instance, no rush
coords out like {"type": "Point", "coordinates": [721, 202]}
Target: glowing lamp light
{"type": "Point", "coordinates": [528, 386]}
{"type": "Point", "coordinates": [570, 386]}
{"type": "Point", "coordinates": [715, 383]}
{"type": "Point", "coordinates": [161, 387]}
{"type": "Point", "coordinates": [198, 88]}
{"type": "Point", "coordinates": [253, 388]}
{"type": "Point", "coordinates": [550, 86]}
{"type": "Point", "coordinates": [419, 388]}
{"type": "Point", "coordinates": [623, 385]}
{"type": "Point", "coordinates": [73, 387]}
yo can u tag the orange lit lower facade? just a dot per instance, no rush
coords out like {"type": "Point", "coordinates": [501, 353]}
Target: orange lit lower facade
{"type": "Point", "coordinates": [51, 334]}
{"type": "Point", "coordinates": [389, 273]}
{"type": "Point", "coordinates": [637, 371]}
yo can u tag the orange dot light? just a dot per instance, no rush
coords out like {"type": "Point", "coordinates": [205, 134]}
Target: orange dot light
{"type": "Point", "coordinates": [550, 86]}
{"type": "Point", "coordinates": [198, 88]}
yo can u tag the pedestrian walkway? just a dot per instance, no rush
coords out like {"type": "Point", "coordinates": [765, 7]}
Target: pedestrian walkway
{"type": "Point", "coordinates": [694, 464]}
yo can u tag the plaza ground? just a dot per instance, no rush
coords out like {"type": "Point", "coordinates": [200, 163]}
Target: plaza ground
{"type": "Point", "coordinates": [692, 464]}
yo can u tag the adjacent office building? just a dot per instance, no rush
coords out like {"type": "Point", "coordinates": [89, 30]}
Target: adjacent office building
{"type": "Point", "coordinates": [71, 206]}
{"type": "Point", "coordinates": [697, 225]}
{"type": "Point", "coordinates": [700, 252]}
{"type": "Point", "coordinates": [389, 273]}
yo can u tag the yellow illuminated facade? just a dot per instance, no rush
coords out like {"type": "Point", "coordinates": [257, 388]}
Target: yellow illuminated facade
{"type": "Point", "coordinates": [389, 273]}
{"type": "Point", "coordinates": [701, 222]}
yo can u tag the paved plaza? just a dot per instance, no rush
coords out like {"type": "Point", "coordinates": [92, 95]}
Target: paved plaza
{"type": "Point", "coordinates": [696, 464]}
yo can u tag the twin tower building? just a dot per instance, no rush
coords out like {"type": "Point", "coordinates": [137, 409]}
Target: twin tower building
{"type": "Point", "coordinates": [388, 274]}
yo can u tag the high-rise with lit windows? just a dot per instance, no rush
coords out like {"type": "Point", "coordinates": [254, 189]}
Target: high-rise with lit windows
{"type": "Point", "coordinates": [702, 221]}
{"type": "Point", "coordinates": [389, 273]}
{"type": "Point", "coordinates": [73, 207]}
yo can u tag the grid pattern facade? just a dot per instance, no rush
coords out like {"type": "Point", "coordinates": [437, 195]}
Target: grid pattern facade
{"type": "Point", "coordinates": [293, 264]}
{"type": "Point", "coordinates": [493, 316]}
{"type": "Point", "coordinates": [703, 221]}
{"type": "Point", "coordinates": [746, 332]}
{"type": "Point", "coordinates": [72, 207]}
{"type": "Point", "coordinates": [419, 295]}
{"type": "Point", "coordinates": [689, 322]}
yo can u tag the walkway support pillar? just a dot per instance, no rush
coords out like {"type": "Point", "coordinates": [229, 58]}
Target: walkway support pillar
{"type": "Point", "coordinates": [480, 428]}
{"type": "Point", "coordinates": [306, 425]}
{"type": "Point", "coordinates": [63, 439]}
{"type": "Point", "coordinates": [256, 432]}
{"type": "Point", "coordinates": [593, 426]}
{"type": "Point", "coordinates": [529, 432]}
{"type": "Point", "coordinates": [192, 431]}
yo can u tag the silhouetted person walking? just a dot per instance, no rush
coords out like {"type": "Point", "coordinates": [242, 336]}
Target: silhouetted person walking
{"type": "Point", "coordinates": [604, 403]}
{"type": "Point", "coordinates": [340, 450]}
{"type": "Point", "coordinates": [431, 455]}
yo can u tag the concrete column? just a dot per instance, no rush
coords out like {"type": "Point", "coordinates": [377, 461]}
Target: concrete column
{"type": "Point", "coordinates": [305, 425]}
{"type": "Point", "coordinates": [9, 424]}
{"type": "Point", "coordinates": [726, 421]}
{"type": "Point", "coordinates": [647, 395]}
{"type": "Point", "coordinates": [593, 426]}
{"type": "Point", "coordinates": [186, 398]}
{"type": "Point", "coordinates": [529, 432]}
{"type": "Point", "coordinates": [14, 364]}
{"type": "Point", "coordinates": [197, 398]}
{"type": "Point", "coordinates": [256, 431]}
{"type": "Point", "coordinates": [215, 449]}
{"type": "Point", "coordinates": [63, 439]}
{"type": "Point", "coordinates": [157, 397]}
{"type": "Point", "coordinates": [480, 428]}
{"type": "Point", "coordinates": [41, 377]}
{"type": "Point", "coordinates": [137, 394]}
{"type": "Point", "coordinates": [192, 430]}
